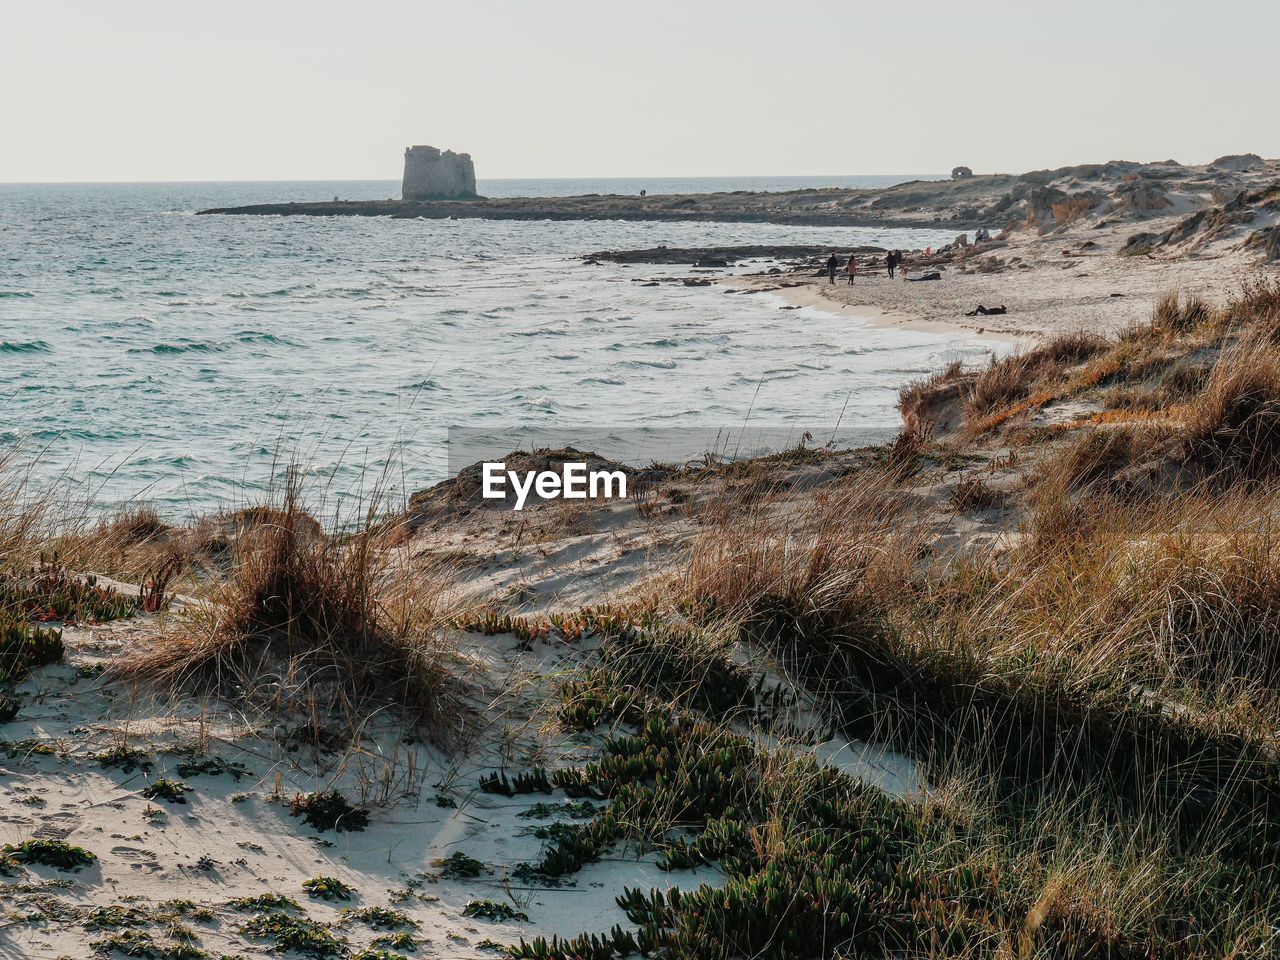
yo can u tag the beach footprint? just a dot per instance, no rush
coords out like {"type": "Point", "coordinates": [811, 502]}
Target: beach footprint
{"type": "Point", "coordinates": [53, 829]}
{"type": "Point", "coordinates": [138, 859]}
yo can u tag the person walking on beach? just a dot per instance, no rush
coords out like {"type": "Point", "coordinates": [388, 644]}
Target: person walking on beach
{"type": "Point", "coordinates": [832, 263]}
{"type": "Point", "coordinates": [891, 262]}
{"type": "Point", "coordinates": [852, 267]}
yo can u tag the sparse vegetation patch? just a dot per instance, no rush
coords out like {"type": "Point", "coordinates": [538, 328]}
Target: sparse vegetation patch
{"type": "Point", "coordinates": [493, 910]}
{"type": "Point", "coordinates": [328, 888]}
{"type": "Point", "coordinates": [170, 791]}
{"type": "Point", "coordinates": [328, 810]}
{"type": "Point", "coordinates": [297, 934]}
{"type": "Point", "coordinates": [50, 853]}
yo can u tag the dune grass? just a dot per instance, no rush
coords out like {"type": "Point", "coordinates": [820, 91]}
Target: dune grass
{"type": "Point", "coordinates": [1095, 716]}
{"type": "Point", "coordinates": [1232, 427]}
{"type": "Point", "coordinates": [335, 625]}
{"type": "Point", "coordinates": [1014, 378]}
{"type": "Point", "coordinates": [1094, 704]}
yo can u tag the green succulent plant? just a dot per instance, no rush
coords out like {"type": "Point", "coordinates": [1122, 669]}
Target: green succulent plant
{"type": "Point", "coordinates": [50, 853]}
{"type": "Point", "coordinates": [329, 810]}
{"type": "Point", "coordinates": [328, 888]}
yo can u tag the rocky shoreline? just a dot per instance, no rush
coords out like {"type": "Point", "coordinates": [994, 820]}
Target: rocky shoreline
{"type": "Point", "coordinates": [710, 208]}
{"type": "Point", "coordinates": [718, 256]}
{"type": "Point", "coordinates": [1208, 202]}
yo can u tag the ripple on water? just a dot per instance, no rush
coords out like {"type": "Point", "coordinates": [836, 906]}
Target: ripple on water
{"type": "Point", "coordinates": [183, 346]}
{"type": "Point", "coordinates": [259, 336]}
{"type": "Point", "coordinates": [425, 384]}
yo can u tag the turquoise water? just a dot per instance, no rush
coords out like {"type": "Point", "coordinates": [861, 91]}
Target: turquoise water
{"type": "Point", "coordinates": [152, 354]}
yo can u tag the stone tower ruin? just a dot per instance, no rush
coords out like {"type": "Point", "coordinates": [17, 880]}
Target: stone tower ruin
{"type": "Point", "coordinates": [432, 174]}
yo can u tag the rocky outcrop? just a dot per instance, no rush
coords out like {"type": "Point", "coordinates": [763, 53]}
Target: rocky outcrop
{"type": "Point", "coordinates": [432, 174]}
{"type": "Point", "coordinates": [961, 173]}
{"type": "Point", "coordinates": [1266, 241]}
{"type": "Point", "coordinates": [1111, 170]}
{"type": "Point", "coordinates": [1239, 162]}
{"type": "Point", "coordinates": [1140, 244]}
{"type": "Point", "coordinates": [1049, 208]}
{"type": "Point", "coordinates": [1140, 197]}
{"type": "Point", "coordinates": [1225, 222]}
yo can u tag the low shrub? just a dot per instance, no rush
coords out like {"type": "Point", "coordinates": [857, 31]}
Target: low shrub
{"type": "Point", "coordinates": [328, 810]}
{"type": "Point", "coordinates": [493, 910]}
{"type": "Point", "coordinates": [380, 918]}
{"type": "Point", "coordinates": [297, 934]}
{"type": "Point", "coordinates": [170, 791]}
{"type": "Point", "coordinates": [125, 758]}
{"type": "Point", "coordinates": [532, 781]}
{"type": "Point", "coordinates": [459, 866]}
{"type": "Point", "coordinates": [328, 888]}
{"type": "Point", "coordinates": [139, 943]}
{"type": "Point", "coordinates": [264, 903]}
{"type": "Point", "coordinates": [50, 853]}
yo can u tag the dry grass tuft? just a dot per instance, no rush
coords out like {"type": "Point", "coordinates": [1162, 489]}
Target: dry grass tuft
{"type": "Point", "coordinates": [972, 493]}
{"type": "Point", "coordinates": [29, 518]}
{"type": "Point", "coordinates": [1001, 384]}
{"type": "Point", "coordinates": [137, 525]}
{"type": "Point", "coordinates": [792, 576]}
{"type": "Point", "coordinates": [1233, 426]}
{"type": "Point", "coordinates": [306, 620]}
{"type": "Point", "coordinates": [1094, 459]}
{"type": "Point", "coordinates": [1014, 378]}
{"type": "Point", "coordinates": [1178, 312]}
{"type": "Point", "coordinates": [1175, 387]}
{"type": "Point", "coordinates": [1180, 591]}
{"type": "Point", "coordinates": [1256, 306]}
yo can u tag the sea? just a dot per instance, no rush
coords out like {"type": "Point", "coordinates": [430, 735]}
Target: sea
{"type": "Point", "coordinates": [152, 356]}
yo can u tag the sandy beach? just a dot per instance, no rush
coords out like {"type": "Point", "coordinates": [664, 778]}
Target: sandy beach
{"type": "Point", "coordinates": [1075, 279]}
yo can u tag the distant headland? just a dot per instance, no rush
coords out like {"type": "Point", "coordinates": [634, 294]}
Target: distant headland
{"type": "Point", "coordinates": [1232, 190]}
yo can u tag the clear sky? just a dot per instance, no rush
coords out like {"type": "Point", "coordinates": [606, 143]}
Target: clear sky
{"type": "Point", "coordinates": [317, 89]}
